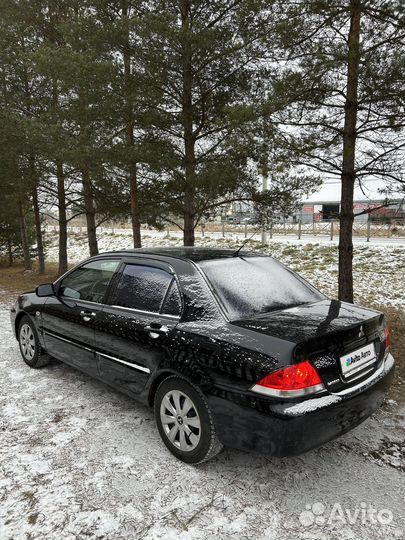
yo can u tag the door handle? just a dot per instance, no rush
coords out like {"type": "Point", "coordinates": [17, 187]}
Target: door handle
{"type": "Point", "coordinates": [156, 330]}
{"type": "Point", "coordinates": [87, 315]}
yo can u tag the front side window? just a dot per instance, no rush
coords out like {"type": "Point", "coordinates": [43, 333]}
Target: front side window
{"type": "Point", "coordinates": [90, 281]}
{"type": "Point", "coordinates": [253, 285]}
{"type": "Point", "coordinates": [141, 287]}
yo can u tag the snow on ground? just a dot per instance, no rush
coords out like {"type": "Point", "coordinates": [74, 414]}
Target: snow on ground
{"type": "Point", "coordinates": [379, 269]}
{"type": "Point", "coordinates": [80, 460]}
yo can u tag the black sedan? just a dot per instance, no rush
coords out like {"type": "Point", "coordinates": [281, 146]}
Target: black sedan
{"type": "Point", "coordinates": [229, 348]}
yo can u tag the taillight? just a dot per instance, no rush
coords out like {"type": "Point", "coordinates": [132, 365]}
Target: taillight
{"type": "Point", "coordinates": [387, 335]}
{"type": "Point", "coordinates": [292, 381]}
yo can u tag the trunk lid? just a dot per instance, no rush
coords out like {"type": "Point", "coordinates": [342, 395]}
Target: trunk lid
{"type": "Point", "coordinates": [327, 332]}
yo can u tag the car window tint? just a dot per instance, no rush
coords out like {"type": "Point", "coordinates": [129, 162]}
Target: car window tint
{"type": "Point", "coordinates": [252, 285]}
{"type": "Point", "coordinates": [141, 287]}
{"type": "Point", "coordinates": [172, 304]}
{"type": "Point", "coordinates": [90, 281]}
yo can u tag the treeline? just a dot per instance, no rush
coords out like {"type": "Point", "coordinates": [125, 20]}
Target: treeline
{"type": "Point", "coordinates": [162, 111]}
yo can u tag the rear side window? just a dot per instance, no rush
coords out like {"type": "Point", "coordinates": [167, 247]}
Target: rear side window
{"type": "Point", "coordinates": [141, 287]}
{"type": "Point", "coordinates": [90, 281]}
{"type": "Point", "coordinates": [172, 303]}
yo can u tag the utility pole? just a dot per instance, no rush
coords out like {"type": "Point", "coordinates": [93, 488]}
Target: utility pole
{"type": "Point", "coordinates": [265, 187]}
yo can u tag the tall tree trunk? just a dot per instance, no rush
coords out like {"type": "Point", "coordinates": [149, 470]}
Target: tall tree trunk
{"type": "Point", "coordinates": [63, 258]}
{"type": "Point", "coordinates": [24, 237]}
{"type": "Point", "coordinates": [189, 215]}
{"type": "Point", "coordinates": [55, 41]}
{"type": "Point", "coordinates": [38, 231]}
{"type": "Point", "coordinates": [10, 252]}
{"type": "Point", "coordinates": [37, 215]}
{"type": "Point", "coordinates": [130, 126]}
{"type": "Point", "coordinates": [90, 212]}
{"type": "Point", "coordinates": [135, 215]}
{"type": "Point", "coordinates": [189, 137]}
{"type": "Point", "coordinates": [349, 153]}
{"type": "Point", "coordinates": [34, 180]}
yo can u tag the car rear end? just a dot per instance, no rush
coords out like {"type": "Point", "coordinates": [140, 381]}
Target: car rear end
{"type": "Point", "coordinates": [339, 356]}
{"type": "Point", "coordinates": [285, 428]}
{"type": "Point", "coordinates": [336, 378]}
{"type": "Point", "coordinates": [328, 367]}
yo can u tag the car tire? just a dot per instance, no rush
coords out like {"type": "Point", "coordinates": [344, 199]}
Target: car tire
{"type": "Point", "coordinates": [185, 422]}
{"type": "Point", "coordinates": [30, 346]}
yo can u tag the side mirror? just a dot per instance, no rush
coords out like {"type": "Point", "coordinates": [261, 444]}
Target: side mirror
{"type": "Point", "coordinates": [47, 289]}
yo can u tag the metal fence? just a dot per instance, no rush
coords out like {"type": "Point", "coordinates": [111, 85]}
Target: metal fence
{"type": "Point", "coordinates": [331, 229]}
{"type": "Point", "coordinates": [324, 229]}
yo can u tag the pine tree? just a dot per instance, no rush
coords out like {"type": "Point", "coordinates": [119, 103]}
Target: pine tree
{"type": "Point", "coordinates": [119, 36]}
{"type": "Point", "coordinates": [15, 223]}
{"type": "Point", "coordinates": [20, 97]}
{"type": "Point", "coordinates": [72, 60]}
{"type": "Point", "coordinates": [207, 62]}
{"type": "Point", "coordinates": [344, 70]}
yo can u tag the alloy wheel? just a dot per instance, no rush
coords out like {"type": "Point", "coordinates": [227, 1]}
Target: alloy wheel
{"type": "Point", "coordinates": [180, 420]}
{"type": "Point", "coordinates": [27, 341]}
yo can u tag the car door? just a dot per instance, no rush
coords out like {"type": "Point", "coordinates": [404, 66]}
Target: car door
{"type": "Point", "coordinates": [136, 326]}
{"type": "Point", "coordinates": [69, 318]}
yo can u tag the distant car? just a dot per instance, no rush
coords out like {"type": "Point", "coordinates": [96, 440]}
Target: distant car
{"type": "Point", "coordinates": [229, 348]}
{"type": "Point", "coordinates": [250, 220]}
{"type": "Point", "coordinates": [232, 219]}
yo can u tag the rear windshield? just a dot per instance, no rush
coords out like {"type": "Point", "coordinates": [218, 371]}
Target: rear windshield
{"type": "Point", "coordinates": [253, 285]}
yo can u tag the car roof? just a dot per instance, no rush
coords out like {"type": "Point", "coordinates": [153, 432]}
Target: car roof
{"type": "Point", "coordinates": [195, 254]}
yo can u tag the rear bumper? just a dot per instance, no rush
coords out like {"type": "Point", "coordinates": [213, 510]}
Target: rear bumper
{"type": "Point", "coordinates": [289, 429]}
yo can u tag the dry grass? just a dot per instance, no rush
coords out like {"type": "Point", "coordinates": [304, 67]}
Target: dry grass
{"type": "Point", "coordinates": [16, 279]}
{"type": "Point", "coordinates": [396, 323]}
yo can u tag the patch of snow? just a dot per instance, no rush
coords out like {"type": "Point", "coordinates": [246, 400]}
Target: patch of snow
{"type": "Point", "coordinates": [310, 405]}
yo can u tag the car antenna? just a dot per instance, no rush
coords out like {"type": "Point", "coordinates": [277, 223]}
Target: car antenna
{"type": "Point", "coordinates": [236, 253]}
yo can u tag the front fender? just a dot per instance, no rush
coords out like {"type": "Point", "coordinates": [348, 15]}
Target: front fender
{"type": "Point", "coordinates": [28, 304]}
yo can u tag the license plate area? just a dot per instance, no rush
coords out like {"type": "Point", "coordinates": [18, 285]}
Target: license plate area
{"type": "Point", "coordinates": [355, 362]}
